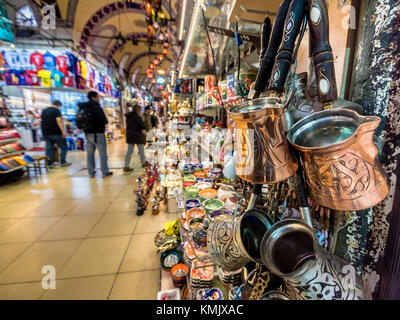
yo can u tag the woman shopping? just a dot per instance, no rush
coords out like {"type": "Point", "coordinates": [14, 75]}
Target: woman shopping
{"type": "Point", "coordinates": [135, 134]}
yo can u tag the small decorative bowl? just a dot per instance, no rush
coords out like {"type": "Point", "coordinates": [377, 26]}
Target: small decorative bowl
{"type": "Point", "coordinates": [203, 185]}
{"type": "Point", "coordinates": [215, 173]}
{"type": "Point", "coordinates": [206, 194]}
{"type": "Point", "coordinates": [196, 213]}
{"type": "Point", "coordinates": [199, 235]}
{"type": "Point", "coordinates": [199, 174]}
{"type": "Point", "coordinates": [192, 192]}
{"type": "Point", "coordinates": [192, 203]}
{"type": "Point", "coordinates": [170, 258]}
{"type": "Point", "coordinates": [179, 272]}
{"type": "Point", "coordinates": [213, 205]}
{"type": "Point", "coordinates": [189, 177]}
{"type": "Point", "coordinates": [198, 167]}
{"type": "Point", "coordinates": [217, 213]}
{"type": "Point", "coordinates": [188, 184]}
{"type": "Point", "coordinates": [199, 180]}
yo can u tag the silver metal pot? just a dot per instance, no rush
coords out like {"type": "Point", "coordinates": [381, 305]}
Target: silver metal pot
{"type": "Point", "coordinates": [290, 250]}
{"type": "Point", "coordinates": [233, 241]}
{"type": "Point", "coordinates": [303, 101]}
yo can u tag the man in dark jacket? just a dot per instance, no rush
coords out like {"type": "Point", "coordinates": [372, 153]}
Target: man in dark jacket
{"type": "Point", "coordinates": [135, 134]}
{"type": "Point", "coordinates": [54, 133]}
{"type": "Point", "coordinates": [95, 135]}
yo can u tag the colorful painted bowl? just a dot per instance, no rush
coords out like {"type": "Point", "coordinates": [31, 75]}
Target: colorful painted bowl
{"type": "Point", "coordinates": [195, 213]}
{"type": "Point", "coordinates": [203, 185]}
{"type": "Point", "coordinates": [192, 203]}
{"type": "Point", "coordinates": [213, 205]}
{"type": "Point", "coordinates": [189, 177]}
{"type": "Point", "coordinates": [169, 259]}
{"type": "Point", "coordinates": [199, 234]}
{"type": "Point", "coordinates": [217, 213]}
{"type": "Point", "coordinates": [199, 180]}
{"type": "Point", "coordinates": [188, 184]}
{"type": "Point", "coordinates": [216, 173]}
{"type": "Point", "coordinates": [179, 272]}
{"type": "Point", "coordinates": [208, 193]}
{"type": "Point", "coordinates": [200, 174]}
{"type": "Point", "coordinates": [198, 167]}
{"type": "Point", "coordinates": [192, 192]}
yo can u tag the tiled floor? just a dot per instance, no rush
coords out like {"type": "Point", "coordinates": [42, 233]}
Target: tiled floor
{"type": "Point", "coordinates": [86, 228]}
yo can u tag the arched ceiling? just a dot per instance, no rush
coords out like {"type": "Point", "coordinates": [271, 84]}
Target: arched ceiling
{"type": "Point", "coordinates": [91, 18]}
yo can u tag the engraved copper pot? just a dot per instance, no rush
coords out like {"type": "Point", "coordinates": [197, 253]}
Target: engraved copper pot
{"type": "Point", "coordinates": [262, 152]}
{"type": "Point", "coordinates": [233, 241]}
{"type": "Point", "coordinates": [291, 251]}
{"type": "Point", "coordinates": [339, 158]}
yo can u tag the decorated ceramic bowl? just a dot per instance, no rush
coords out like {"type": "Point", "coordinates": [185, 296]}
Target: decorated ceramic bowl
{"type": "Point", "coordinates": [188, 184]}
{"type": "Point", "coordinates": [192, 192]}
{"type": "Point", "coordinates": [216, 173]}
{"type": "Point", "coordinates": [196, 213]}
{"type": "Point", "coordinates": [200, 174]}
{"type": "Point", "coordinates": [198, 167]}
{"type": "Point", "coordinates": [217, 213]}
{"type": "Point", "coordinates": [213, 205]}
{"type": "Point", "coordinates": [169, 259]}
{"type": "Point", "coordinates": [192, 203]}
{"type": "Point", "coordinates": [206, 194]}
{"type": "Point", "coordinates": [189, 177]}
{"type": "Point", "coordinates": [199, 234]}
{"type": "Point", "coordinates": [179, 272]}
{"type": "Point", "coordinates": [203, 185]}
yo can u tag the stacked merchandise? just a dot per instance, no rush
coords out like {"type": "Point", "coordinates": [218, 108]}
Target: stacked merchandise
{"type": "Point", "coordinates": [12, 155]}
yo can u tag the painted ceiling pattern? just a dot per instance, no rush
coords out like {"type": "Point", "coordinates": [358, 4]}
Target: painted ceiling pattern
{"type": "Point", "coordinates": [96, 25]}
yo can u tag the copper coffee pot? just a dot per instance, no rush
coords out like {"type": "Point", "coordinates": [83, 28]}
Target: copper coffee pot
{"type": "Point", "coordinates": [339, 159]}
{"type": "Point", "coordinates": [261, 145]}
{"type": "Point", "coordinates": [262, 153]}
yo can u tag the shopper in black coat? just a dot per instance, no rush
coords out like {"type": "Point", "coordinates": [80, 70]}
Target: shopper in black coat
{"type": "Point", "coordinates": [135, 134]}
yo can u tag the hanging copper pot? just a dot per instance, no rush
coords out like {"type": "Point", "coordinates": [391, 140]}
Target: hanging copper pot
{"type": "Point", "coordinates": [233, 241]}
{"type": "Point", "coordinates": [339, 158]}
{"type": "Point", "coordinates": [290, 250]}
{"type": "Point", "coordinates": [262, 153]}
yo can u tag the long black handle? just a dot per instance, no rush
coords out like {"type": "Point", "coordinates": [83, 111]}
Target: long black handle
{"type": "Point", "coordinates": [266, 65]}
{"type": "Point", "coordinates": [318, 21]}
{"type": "Point", "coordinates": [284, 58]}
{"type": "Point", "coordinates": [265, 35]}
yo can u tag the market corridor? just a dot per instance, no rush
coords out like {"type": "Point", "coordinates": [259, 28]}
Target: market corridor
{"type": "Point", "coordinates": [87, 229]}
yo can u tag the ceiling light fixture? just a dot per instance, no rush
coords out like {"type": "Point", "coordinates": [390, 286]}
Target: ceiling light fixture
{"type": "Point", "coordinates": [193, 24]}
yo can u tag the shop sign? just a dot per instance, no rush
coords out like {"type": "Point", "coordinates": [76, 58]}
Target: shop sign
{"type": "Point", "coordinates": [6, 33]}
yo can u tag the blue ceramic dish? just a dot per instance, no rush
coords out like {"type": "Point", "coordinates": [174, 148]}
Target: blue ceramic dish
{"type": "Point", "coordinates": [192, 203]}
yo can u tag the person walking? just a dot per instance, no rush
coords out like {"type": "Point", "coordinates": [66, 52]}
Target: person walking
{"type": "Point", "coordinates": [54, 133]}
{"type": "Point", "coordinates": [148, 123]}
{"type": "Point", "coordinates": [135, 135]}
{"type": "Point", "coordinates": [94, 130]}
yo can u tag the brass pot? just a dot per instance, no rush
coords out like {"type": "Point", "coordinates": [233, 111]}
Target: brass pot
{"type": "Point", "coordinates": [262, 152]}
{"type": "Point", "coordinates": [233, 241]}
{"type": "Point", "coordinates": [290, 250]}
{"type": "Point", "coordinates": [339, 158]}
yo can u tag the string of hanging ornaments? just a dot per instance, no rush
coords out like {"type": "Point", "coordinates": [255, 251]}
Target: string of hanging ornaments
{"type": "Point", "coordinates": [156, 27]}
